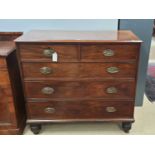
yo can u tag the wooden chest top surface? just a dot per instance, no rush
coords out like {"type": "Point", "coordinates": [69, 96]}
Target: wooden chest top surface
{"type": "Point", "coordinates": [78, 36]}
{"type": "Point", "coordinates": [6, 47]}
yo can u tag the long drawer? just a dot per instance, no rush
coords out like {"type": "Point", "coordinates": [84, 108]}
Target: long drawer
{"type": "Point", "coordinates": [66, 53]}
{"type": "Point", "coordinates": [100, 53]}
{"type": "Point", "coordinates": [73, 89]}
{"type": "Point", "coordinates": [92, 109]}
{"type": "Point", "coordinates": [79, 70]}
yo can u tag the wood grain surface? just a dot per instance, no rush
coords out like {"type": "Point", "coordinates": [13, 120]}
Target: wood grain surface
{"type": "Point", "coordinates": [79, 70]}
{"type": "Point", "coordinates": [72, 89]}
{"type": "Point", "coordinates": [77, 110]}
{"type": "Point", "coordinates": [75, 87]}
{"type": "Point", "coordinates": [79, 36]}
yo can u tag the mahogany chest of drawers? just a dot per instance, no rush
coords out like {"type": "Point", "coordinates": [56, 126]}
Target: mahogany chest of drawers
{"type": "Point", "coordinates": [12, 110]}
{"type": "Point", "coordinates": [71, 76]}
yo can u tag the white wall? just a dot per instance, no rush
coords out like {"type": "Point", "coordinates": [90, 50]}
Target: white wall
{"type": "Point", "coordinates": [63, 24]}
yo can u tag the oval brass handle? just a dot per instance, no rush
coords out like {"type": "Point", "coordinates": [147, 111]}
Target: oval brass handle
{"type": "Point", "coordinates": [113, 70]}
{"type": "Point", "coordinates": [108, 53]}
{"type": "Point", "coordinates": [49, 110]}
{"type": "Point", "coordinates": [47, 90]}
{"type": "Point", "coordinates": [111, 109]}
{"type": "Point", "coordinates": [46, 70]}
{"type": "Point", "coordinates": [111, 90]}
{"type": "Point", "coordinates": [48, 52]}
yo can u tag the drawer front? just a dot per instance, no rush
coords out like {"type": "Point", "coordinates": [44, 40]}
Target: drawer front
{"type": "Point", "coordinates": [99, 53]}
{"type": "Point", "coordinates": [80, 110]}
{"type": "Point", "coordinates": [72, 89]}
{"type": "Point", "coordinates": [65, 53]}
{"type": "Point", "coordinates": [4, 77]}
{"type": "Point", "coordinates": [2, 62]}
{"type": "Point", "coordinates": [5, 100]}
{"type": "Point", "coordinates": [79, 70]}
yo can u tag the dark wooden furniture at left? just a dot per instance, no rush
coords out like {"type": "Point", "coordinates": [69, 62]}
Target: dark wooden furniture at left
{"type": "Point", "coordinates": [12, 111]}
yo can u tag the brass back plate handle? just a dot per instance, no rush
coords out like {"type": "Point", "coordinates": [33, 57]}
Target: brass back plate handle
{"type": "Point", "coordinates": [108, 53]}
{"type": "Point", "coordinates": [113, 70]}
{"type": "Point", "coordinates": [47, 90]}
{"type": "Point", "coordinates": [49, 110]}
{"type": "Point", "coordinates": [45, 70]}
{"type": "Point", "coordinates": [111, 109]}
{"type": "Point", "coordinates": [48, 52]}
{"type": "Point", "coordinates": [111, 90]}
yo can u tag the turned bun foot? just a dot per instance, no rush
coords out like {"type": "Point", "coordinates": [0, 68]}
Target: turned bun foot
{"type": "Point", "coordinates": [126, 126]}
{"type": "Point", "coordinates": [35, 128]}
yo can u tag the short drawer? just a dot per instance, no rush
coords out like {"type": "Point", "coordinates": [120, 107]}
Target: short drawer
{"type": "Point", "coordinates": [65, 53]}
{"type": "Point", "coordinates": [83, 89]}
{"type": "Point", "coordinates": [79, 70]}
{"type": "Point", "coordinates": [101, 53]}
{"type": "Point", "coordinates": [92, 109]}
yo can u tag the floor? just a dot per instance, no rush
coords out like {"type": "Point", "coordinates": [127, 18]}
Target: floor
{"type": "Point", "coordinates": [144, 120]}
